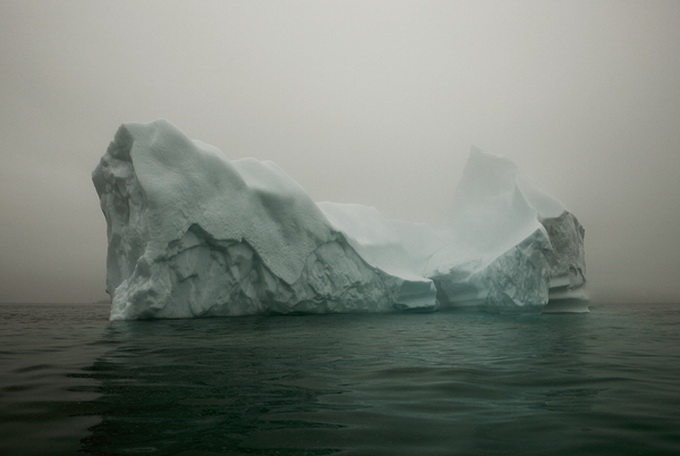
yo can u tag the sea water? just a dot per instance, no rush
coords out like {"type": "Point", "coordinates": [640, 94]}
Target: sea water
{"type": "Point", "coordinates": [446, 383]}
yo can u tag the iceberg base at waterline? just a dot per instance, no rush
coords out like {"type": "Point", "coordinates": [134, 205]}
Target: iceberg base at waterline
{"type": "Point", "coordinates": [194, 234]}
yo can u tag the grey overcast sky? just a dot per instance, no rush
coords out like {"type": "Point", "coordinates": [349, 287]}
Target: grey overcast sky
{"type": "Point", "coordinates": [375, 102]}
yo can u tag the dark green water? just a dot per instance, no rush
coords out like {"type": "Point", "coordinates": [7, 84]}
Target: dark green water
{"type": "Point", "coordinates": [448, 383]}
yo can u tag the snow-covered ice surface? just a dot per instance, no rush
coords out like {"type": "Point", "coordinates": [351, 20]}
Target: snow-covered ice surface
{"type": "Point", "coordinates": [192, 233]}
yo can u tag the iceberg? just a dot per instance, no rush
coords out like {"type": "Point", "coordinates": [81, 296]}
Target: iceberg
{"type": "Point", "coordinates": [194, 234]}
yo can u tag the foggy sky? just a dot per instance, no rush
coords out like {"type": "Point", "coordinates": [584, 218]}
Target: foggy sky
{"type": "Point", "coordinates": [370, 102]}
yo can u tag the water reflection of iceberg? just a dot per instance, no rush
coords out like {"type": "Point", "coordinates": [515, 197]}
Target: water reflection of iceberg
{"type": "Point", "coordinates": [175, 386]}
{"type": "Point", "coordinates": [363, 384]}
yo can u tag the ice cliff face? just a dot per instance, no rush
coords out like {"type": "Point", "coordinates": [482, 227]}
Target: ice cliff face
{"type": "Point", "coordinates": [192, 234]}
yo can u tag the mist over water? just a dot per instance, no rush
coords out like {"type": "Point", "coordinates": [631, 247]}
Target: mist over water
{"type": "Point", "coordinates": [368, 102]}
{"type": "Point", "coordinates": [442, 383]}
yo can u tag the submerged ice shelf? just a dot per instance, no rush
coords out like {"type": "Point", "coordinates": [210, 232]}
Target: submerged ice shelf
{"type": "Point", "coordinates": [192, 233]}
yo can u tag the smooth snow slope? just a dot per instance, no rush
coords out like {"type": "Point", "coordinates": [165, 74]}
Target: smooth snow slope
{"type": "Point", "coordinates": [192, 233]}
